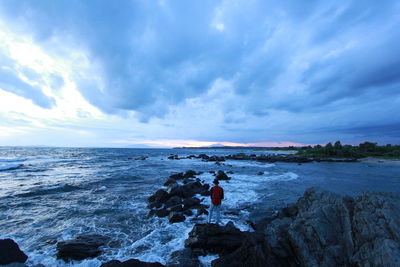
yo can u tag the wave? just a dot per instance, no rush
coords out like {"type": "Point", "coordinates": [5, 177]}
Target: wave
{"type": "Point", "coordinates": [50, 190]}
{"type": "Point", "coordinates": [13, 160]}
{"type": "Point", "coordinates": [10, 167]}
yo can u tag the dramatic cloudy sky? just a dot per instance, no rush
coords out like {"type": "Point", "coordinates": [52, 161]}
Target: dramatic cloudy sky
{"type": "Point", "coordinates": [168, 73]}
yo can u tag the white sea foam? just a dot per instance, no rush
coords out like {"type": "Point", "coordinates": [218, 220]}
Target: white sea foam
{"type": "Point", "coordinates": [206, 260]}
{"type": "Point", "coordinates": [9, 167]}
{"type": "Point", "coordinates": [101, 189]}
{"type": "Point", "coordinates": [287, 176]}
{"type": "Point", "coordinates": [246, 163]}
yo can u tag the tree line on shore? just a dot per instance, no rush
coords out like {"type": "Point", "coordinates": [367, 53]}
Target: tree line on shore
{"type": "Point", "coordinates": [366, 149]}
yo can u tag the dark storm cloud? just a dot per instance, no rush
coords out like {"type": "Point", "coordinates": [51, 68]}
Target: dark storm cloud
{"type": "Point", "coordinates": [293, 56]}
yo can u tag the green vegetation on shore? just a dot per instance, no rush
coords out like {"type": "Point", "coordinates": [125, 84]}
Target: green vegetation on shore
{"type": "Point", "coordinates": [366, 149]}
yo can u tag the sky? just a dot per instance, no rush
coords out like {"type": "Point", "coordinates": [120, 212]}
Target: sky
{"type": "Point", "coordinates": [141, 73]}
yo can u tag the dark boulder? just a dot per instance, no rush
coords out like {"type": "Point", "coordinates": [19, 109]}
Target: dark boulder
{"type": "Point", "coordinates": [252, 252]}
{"type": "Point", "coordinates": [260, 173]}
{"type": "Point", "coordinates": [189, 174]}
{"type": "Point", "coordinates": [175, 208]}
{"type": "Point", "coordinates": [183, 258]}
{"type": "Point", "coordinates": [176, 176]}
{"type": "Point", "coordinates": [203, 156]}
{"type": "Point", "coordinates": [188, 212]}
{"type": "Point", "coordinates": [83, 247]}
{"type": "Point", "coordinates": [193, 188]}
{"type": "Point", "coordinates": [10, 252]}
{"type": "Point", "coordinates": [177, 190]}
{"type": "Point", "coordinates": [221, 175]}
{"type": "Point", "coordinates": [236, 248]}
{"type": "Point", "coordinates": [131, 263]}
{"type": "Point", "coordinates": [175, 217]}
{"type": "Point", "coordinates": [215, 239]}
{"type": "Point", "coordinates": [161, 213]}
{"type": "Point", "coordinates": [169, 182]}
{"type": "Point", "coordinates": [153, 205]}
{"type": "Point", "coordinates": [190, 202]}
{"type": "Point", "coordinates": [173, 201]}
{"type": "Point", "coordinates": [159, 196]}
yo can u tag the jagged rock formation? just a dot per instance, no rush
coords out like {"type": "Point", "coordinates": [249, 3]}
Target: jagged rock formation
{"type": "Point", "coordinates": [321, 229]}
{"type": "Point", "coordinates": [82, 247]}
{"type": "Point", "coordinates": [10, 252]}
{"type": "Point", "coordinates": [326, 229]}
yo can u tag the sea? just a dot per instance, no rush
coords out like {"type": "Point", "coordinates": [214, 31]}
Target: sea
{"type": "Point", "coordinates": [52, 194]}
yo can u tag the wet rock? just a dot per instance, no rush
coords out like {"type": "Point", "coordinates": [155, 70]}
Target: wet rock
{"type": "Point", "coordinates": [83, 247]}
{"type": "Point", "coordinates": [175, 217]}
{"type": "Point", "coordinates": [161, 213]}
{"type": "Point", "coordinates": [153, 205]}
{"type": "Point", "coordinates": [190, 202]}
{"type": "Point", "coordinates": [290, 210]}
{"type": "Point", "coordinates": [131, 263]}
{"type": "Point", "coordinates": [215, 158]}
{"type": "Point", "coordinates": [175, 208]}
{"type": "Point", "coordinates": [10, 252]}
{"type": "Point", "coordinates": [203, 156]}
{"type": "Point", "coordinates": [159, 196]}
{"type": "Point", "coordinates": [221, 175]}
{"type": "Point", "coordinates": [260, 173]}
{"type": "Point", "coordinates": [201, 211]}
{"type": "Point", "coordinates": [188, 212]}
{"type": "Point", "coordinates": [189, 174]}
{"type": "Point", "coordinates": [183, 258]}
{"type": "Point", "coordinates": [169, 182]}
{"type": "Point", "coordinates": [178, 191]}
{"type": "Point", "coordinates": [176, 176]}
{"type": "Point", "coordinates": [173, 201]}
{"type": "Point", "coordinates": [215, 239]}
{"type": "Point", "coordinates": [252, 252]}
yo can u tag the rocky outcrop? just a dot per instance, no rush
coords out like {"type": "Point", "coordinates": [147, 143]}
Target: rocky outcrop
{"type": "Point", "coordinates": [236, 248]}
{"type": "Point", "coordinates": [183, 258]}
{"type": "Point", "coordinates": [326, 229]}
{"type": "Point", "coordinates": [10, 252]}
{"type": "Point", "coordinates": [178, 199]}
{"type": "Point", "coordinates": [82, 247]}
{"type": "Point", "coordinates": [269, 158]}
{"type": "Point", "coordinates": [321, 229]}
{"type": "Point", "coordinates": [131, 263]}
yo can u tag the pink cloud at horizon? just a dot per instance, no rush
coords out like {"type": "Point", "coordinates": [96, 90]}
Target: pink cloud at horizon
{"type": "Point", "coordinates": [196, 143]}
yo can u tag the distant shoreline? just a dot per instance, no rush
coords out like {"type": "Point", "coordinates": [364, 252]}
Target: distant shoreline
{"type": "Point", "coordinates": [379, 160]}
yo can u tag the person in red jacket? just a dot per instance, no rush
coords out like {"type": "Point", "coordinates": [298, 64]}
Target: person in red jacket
{"type": "Point", "coordinates": [217, 195]}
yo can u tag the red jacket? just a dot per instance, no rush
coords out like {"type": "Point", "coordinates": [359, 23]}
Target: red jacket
{"type": "Point", "coordinates": [217, 194]}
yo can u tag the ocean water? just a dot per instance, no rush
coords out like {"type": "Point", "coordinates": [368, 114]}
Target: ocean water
{"type": "Point", "coordinates": [53, 194]}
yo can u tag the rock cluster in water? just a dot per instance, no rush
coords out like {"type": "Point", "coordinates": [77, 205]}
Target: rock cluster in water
{"type": "Point", "coordinates": [178, 199]}
{"type": "Point", "coordinates": [269, 158]}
